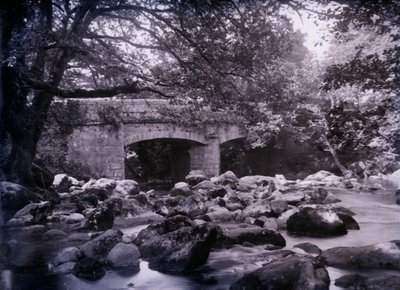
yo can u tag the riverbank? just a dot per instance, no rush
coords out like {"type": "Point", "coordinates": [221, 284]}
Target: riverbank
{"type": "Point", "coordinates": [206, 234]}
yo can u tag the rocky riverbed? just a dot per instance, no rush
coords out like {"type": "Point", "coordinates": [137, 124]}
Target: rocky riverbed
{"type": "Point", "coordinates": [254, 232]}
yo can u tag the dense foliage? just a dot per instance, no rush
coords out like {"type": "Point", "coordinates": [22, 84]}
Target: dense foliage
{"type": "Point", "coordinates": [235, 56]}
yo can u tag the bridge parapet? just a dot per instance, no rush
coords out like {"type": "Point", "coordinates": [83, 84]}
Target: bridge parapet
{"type": "Point", "coordinates": [104, 127]}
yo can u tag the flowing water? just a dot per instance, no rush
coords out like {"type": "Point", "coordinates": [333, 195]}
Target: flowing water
{"type": "Point", "coordinates": [376, 213]}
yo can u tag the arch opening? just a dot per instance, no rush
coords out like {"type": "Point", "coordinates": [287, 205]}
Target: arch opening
{"type": "Point", "coordinates": [158, 163]}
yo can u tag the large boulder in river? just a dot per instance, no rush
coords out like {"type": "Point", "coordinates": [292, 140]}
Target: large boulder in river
{"type": "Point", "coordinates": [106, 184]}
{"type": "Point", "coordinates": [14, 197]}
{"type": "Point", "coordinates": [227, 178]}
{"type": "Point", "coordinates": [316, 221]}
{"type": "Point", "coordinates": [32, 213]}
{"type": "Point", "coordinates": [70, 254]}
{"type": "Point", "coordinates": [63, 182]}
{"type": "Point", "coordinates": [102, 218]}
{"type": "Point", "coordinates": [176, 245]}
{"type": "Point", "coordinates": [383, 256]}
{"type": "Point", "coordinates": [195, 176]}
{"type": "Point", "coordinates": [126, 187]}
{"type": "Point", "coordinates": [244, 234]}
{"type": "Point", "coordinates": [359, 282]}
{"type": "Point", "coordinates": [89, 268]}
{"type": "Point", "coordinates": [100, 247]}
{"type": "Point", "coordinates": [293, 272]}
{"type": "Point", "coordinates": [181, 189]}
{"type": "Point", "coordinates": [190, 206]}
{"type": "Point", "coordinates": [211, 189]}
{"type": "Point", "coordinates": [124, 256]}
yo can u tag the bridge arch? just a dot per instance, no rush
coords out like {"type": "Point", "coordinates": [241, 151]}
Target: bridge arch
{"type": "Point", "coordinates": [134, 133]}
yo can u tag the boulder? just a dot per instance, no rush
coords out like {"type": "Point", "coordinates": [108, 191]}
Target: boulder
{"type": "Point", "coordinates": [381, 256]}
{"type": "Point", "coordinates": [266, 223]}
{"type": "Point", "coordinates": [195, 176]}
{"type": "Point", "coordinates": [316, 221]}
{"type": "Point", "coordinates": [309, 248]}
{"type": "Point", "coordinates": [279, 206]}
{"type": "Point", "coordinates": [319, 176]}
{"type": "Point", "coordinates": [126, 187]}
{"type": "Point", "coordinates": [212, 190]}
{"type": "Point", "coordinates": [349, 221]}
{"type": "Point", "coordinates": [395, 177]}
{"type": "Point", "coordinates": [243, 234]}
{"type": "Point", "coordinates": [359, 282]}
{"type": "Point", "coordinates": [102, 218]}
{"type": "Point", "coordinates": [190, 206]}
{"type": "Point", "coordinates": [75, 218]}
{"type": "Point", "coordinates": [219, 214]}
{"type": "Point", "coordinates": [63, 182]}
{"type": "Point", "coordinates": [71, 254]}
{"type": "Point", "coordinates": [245, 187]}
{"type": "Point", "coordinates": [124, 256]}
{"type": "Point", "coordinates": [257, 209]}
{"type": "Point", "coordinates": [107, 184]}
{"type": "Point", "coordinates": [176, 245]}
{"type": "Point", "coordinates": [292, 272]}
{"type": "Point", "coordinates": [89, 268]}
{"type": "Point", "coordinates": [181, 188]}
{"type": "Point", "coordinates": [54, 234]}
{"type": "Point", "coordinates": [32, 213]}
{"type": "Point", "coordinates": [284, 217]}
{"type": "Point", "coordinates": [293, 198]}
{"type": "Point", "coordinates": [14, 197]}
{"type": "Point", "coordinates": [228, 178]}
{"type": "Point", "coordinates": [65, 268]}
{"type": "Point", "coordinates": [100, 247]}
{"type": "Point", "coordinates": [257, 180]}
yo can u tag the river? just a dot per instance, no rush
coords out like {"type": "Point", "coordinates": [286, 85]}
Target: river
{"type": "Point", "coordinates": [376, 213]}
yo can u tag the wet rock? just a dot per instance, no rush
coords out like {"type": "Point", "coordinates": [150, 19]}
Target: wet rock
{"type": "Point", "coordinates": [348, 221]}
{"type": "Point", "coordinates": [14, 197]}
{"type": "Point", "coordinates": [181, 189]}
{"type": "Point", "coordinates": [195, 176]}
{"type": "Point", "coordinates": [126, 187]}
{"type": "Point", "coordinates": [99, 247]}
{"type": "Point", "coordinates": [189, 206]}
{"type": "Point", "coordinates": [319, 176]}
{"type": "Point", "coordinates": [359, 282]}
{"type": "Point", "coordinates": [228, 178]}
{"type": "Point", "coordinates": [284, 217]}
{"type": "Point", "coordinates": [279, 206]}
{"type": "Point", "coordinates": [309, 248]}
{"type": "Point", "coordinates": [124, 256]}
{"type": "Point", "coordinates": [292, 272]}
{"type": "Point", "coordinates": [63, 182]}
{"type": "Point", "coordinates": [95, 192]}
{"type": "Point", "coordinates": [243, 234]}
{"type": "Point", "coordinates": [317, 196]}
{"type": "Point", "coordinates": [176, 245]}
{"type": "Point", "coordinates": [257, 209]}
{"type": "Point", "coordinates": [219, 214]}
{"type": "Point", "coordinates": [100, 219]}
{"type": "Point", "coordinates": [316, 221]}
{"type": "Point", "coordinates": [65, 268]}
{"type": "Point", "coordinates": [293, 198]}
{"type": "Point", "coordinates": [75, 218]}
{"type": "Point", "coordinates": [266, 223]}
{"type": "Point", "coordinates": [71, 254]}
{"type": "Point", "coordinates": [106, 184]}
{"type": "Point", "coordinates": [54, 234]}
{"type": "Point", "coordinates": [211, 189]}
{"type": "Point", "coordinates": [244, 186]}
{"type": "Point", "coordinates": [382, 256]}
{"type": "Point", "coordinates": [258, 180]}
{"type": "Point", "coordinates": [89, 268]}
{"type": "Point", "coordinates": [32, 213]}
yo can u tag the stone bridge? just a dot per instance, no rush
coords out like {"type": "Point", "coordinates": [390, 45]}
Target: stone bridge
{"type": "Point", "coordinates": [106, 127]}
